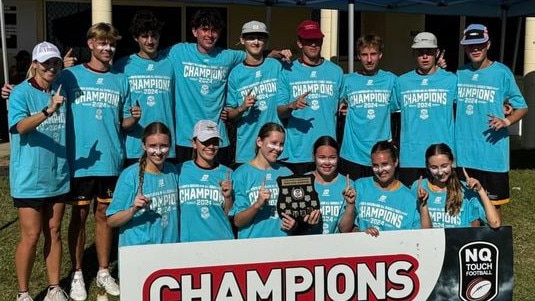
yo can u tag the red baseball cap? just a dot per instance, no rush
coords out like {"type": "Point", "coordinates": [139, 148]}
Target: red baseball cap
{"type": "Point", "coordinates": [309, 29]}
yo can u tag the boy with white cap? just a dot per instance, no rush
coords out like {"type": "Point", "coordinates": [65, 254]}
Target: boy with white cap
{"type": "Point", "coordinates": [425, 97]}
{"type": "Point", "coordinates": [254, 86]}
{"type": "Point", "coordinates": [481, 126]}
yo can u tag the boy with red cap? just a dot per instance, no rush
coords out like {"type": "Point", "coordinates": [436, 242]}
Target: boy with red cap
{"type": "Point", "coordinates": [310, 110]}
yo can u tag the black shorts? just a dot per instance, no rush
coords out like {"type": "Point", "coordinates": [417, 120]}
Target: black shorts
{"type": "Point", "coordinates": [495, 183]}
{"type": "Point", "coordinates": [86, 189]}
{"type": "Point", "coordinates": [354, 170]}
{"type": "Point", "coordinates": [37, 203]}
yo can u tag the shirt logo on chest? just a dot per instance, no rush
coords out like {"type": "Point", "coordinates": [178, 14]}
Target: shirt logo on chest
{"type": "Point", "coordinates": [313, 74]}
{"type": "Point", "coordinates": [258, 74]}
{"type": "Point", "coordinates": [475, 77]}
{"type": "Point", "coordinates": [425, 82]}
{"type": "Point", "coordinates": [204, 178]}
{"type": "Point", "coordinates": [369, 82]}
{"type": "Point", "coordinates": [150, 67]}
{"type": "Point", "coordinates": [100, 81]}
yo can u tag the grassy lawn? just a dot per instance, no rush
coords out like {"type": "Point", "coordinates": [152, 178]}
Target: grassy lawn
{"type": "Point", "coordinates": [519, 214]}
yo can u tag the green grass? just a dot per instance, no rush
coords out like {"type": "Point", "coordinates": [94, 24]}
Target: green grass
{"type": "Point", "coordinates": [518, 214]}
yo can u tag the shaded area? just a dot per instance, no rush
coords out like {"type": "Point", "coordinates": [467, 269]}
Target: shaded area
{"type": "Point", "coordinates": [522, 159]}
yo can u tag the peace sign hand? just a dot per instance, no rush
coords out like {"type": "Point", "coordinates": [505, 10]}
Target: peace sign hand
{"type": "Point", "coordinates": [349, 193]}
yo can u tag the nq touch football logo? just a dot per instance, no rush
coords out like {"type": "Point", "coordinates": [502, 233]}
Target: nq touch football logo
{"type": "Point", "coordinates": [478, 279]}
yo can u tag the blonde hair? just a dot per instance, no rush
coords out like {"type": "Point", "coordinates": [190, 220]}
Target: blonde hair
{"type": "Point", "coordinates": [31, 71]}
{"type": "Point", "coordinates": [103, 31]}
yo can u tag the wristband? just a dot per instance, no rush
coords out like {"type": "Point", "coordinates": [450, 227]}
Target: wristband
{"type": "Point", "coordinates": [507, 122]}
{"type": "Point", "coordinates": [44, 111]}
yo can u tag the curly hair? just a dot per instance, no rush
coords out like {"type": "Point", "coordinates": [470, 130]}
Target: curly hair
{"type": "Point", "coordinates": [144, 21]}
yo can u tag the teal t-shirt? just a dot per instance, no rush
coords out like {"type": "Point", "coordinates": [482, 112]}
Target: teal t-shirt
{"type": "Point", "coordinates": [200, 87]}
{"type": "Point", "coordinates": [160, 222]}
{"type": "Point", "coordinates": [266, 84]}
{"type": "Point", "coordinates": [483, 92]}
{"type": "Point", "coordinates": [385, 209]}
{"type": "Point", "coordinates": [152, 86]}
{"type": "Point", "coordinates": [370, 101]}
{"type": "Point", "coordinates": [426, 104]}
{"type": "Point", "coordinates": [470, 210]}
{"type": "Point", "coordinates": [247, 181]}
{"type": "Point", "coordinates": [202, 216]}
{"type": "Point", "coordinates": [97, 102]}
{"type": "Point", "coordinates": [324, 84]}
{"type": "Point", "coordinates": [38, 166]}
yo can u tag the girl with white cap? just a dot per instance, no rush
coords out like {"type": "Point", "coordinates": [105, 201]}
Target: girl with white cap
{"type": "Point", "coordinates": [205, 189]}
{"type": "Point", "coordinates": [38, 171]}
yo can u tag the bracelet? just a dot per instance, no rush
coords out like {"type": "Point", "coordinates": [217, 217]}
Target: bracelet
{"type": "Point", "coordinates": [507, 122]}
{"type": "Point", "coordinates": [44, 111]}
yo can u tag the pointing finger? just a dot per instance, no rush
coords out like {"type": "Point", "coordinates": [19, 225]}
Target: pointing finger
{"type": "Point", "coordinates": [69, 53]}
{"type": "Point", "coordinates": [58, 90]}
{"type": "Point", "coordinates": [348, 182]}
{"type": "Point", "coordinates": [304, 94]}
{"type": "Point", "coordinates": [263, 184]}
{"type": "Point", "coordinates": [137, 103]}
{"type": "Point", "coordinates": [420, 182]}
{"type": "Point", "coordinates": [465, 174]}
{"type": "Point", "coordinates": [250, 91]}
{"type": "Point", "coordinates": [228, 175]}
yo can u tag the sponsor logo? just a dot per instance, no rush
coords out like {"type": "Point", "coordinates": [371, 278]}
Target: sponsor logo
{"type": "Point", "coordinates": [478, 269]}
{"type": "Point", "coordinates": [391, 277]}
{"type": "Point", "coordinates": [204, 178]}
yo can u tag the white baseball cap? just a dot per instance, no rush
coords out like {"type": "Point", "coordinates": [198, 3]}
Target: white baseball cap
{"type": "Point", "coordinates": [44, 51]}
{"type": "Point", "coordinates": [424, 40]}
{"type": "Point", "coordinates": [254, 27]}
{"type": "Point", "coordinates": [205, 130]}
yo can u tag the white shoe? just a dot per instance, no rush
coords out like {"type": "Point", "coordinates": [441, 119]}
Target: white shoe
{"type": "Point", "coordinates": [105, 280]}
{"type": "Point", "coordinates": [24, 297]}
{"type": "Point", "coordinates": [78, 292]}
{"type": "Point", "coordinates": [56, 293]}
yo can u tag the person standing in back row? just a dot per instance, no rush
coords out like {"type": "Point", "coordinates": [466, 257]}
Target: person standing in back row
{"type": "Point", "coordinates": [481, 135]}
{"type": "Point", "coordinates": [310, 109]}
{"type": "Point", "coordinates": [254, 87]}
{"type": "Point", "coordinates": [370, 98]}
{"type": "Point", "coordinates": [425, 97]}
{"type": "Point", "coordinates": [98, 111]}
{"type": "Point", "coordinates": [151, 82]}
